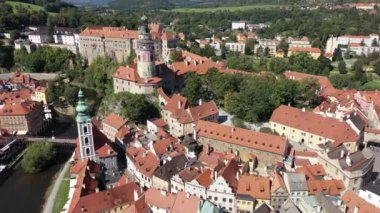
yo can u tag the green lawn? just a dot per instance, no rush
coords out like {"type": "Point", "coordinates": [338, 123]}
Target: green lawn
{"type": "Point", "coordinates": [63, 192]}
{"type": "Point", "coordinates": [30, 7]}
{"type": "Point", "coordinates": [372, 85]}
{"type": "Point", "coordinates": [214, 9]}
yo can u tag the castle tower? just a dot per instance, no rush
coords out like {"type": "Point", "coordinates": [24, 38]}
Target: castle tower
{"type": "Point", "coordinates": [85, 136]}
{"type": "Point", "coordinates": [145, 51]}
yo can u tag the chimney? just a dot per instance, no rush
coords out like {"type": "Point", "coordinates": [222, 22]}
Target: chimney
{"type": "Point", "coordinates": [232, 129]}
{"type": "Point", "coordinates": [200, 102]}
{"type": "Point", "coordinates": [348, 160]}
{"type": "Point", "coordinates": [215, 175]}
{"type": "Point", "coordinates": [195, 136]}
{"type": "Point", "coordinates": [179, 104]}
{"type": "Point", "coordinates": [163, 192]}
{"type": "Point", "coordinates": [341, 153]}
{"type": "Point", "coordinates": [237, 175]}
{"type": "Point", "coordinates": [208, 149]}
{"type": "Point", "coordinates": [96, 189]}
{"type": "Point", "coordinates": [303, 109]}
{"type": "Point", "coordinates": [187, 195]}
{"type": "Point", "coordinates": [135, 195]}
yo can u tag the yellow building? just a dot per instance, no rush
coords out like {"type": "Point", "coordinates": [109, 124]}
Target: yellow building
{"type": "Point", "coordinates": [313, 52]}
{"type": "Point", "coordinates": [39, 94]}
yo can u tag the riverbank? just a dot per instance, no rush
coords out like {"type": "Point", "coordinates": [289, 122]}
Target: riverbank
{"type": "Point", "coordinates": [56, 191]}
{"type": "Point", "coordinates": [30, 188]}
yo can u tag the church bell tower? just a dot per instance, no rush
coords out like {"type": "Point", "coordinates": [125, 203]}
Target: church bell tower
{"type": "Point", "coordinates": [145, 51]}
{"type": "Point", "coordinates": [85, 135]}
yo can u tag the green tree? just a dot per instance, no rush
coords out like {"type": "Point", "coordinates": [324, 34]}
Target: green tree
{"type": "Point", "coordinates": [99, 74]}
{"type": "Point", "coordinates": [358, 70]}
{"type": "Point", "coordinates": [308, 92]}
{"type": "Point", "coordinates": [342, 67]}
{"type": "Point", "coordinates": [376, 66]}
{"type": "Point", "coordinates": [132, 106]}
{"type": "Point", "coordinates": [194, 89]}
{"type": "Point", "coordinates": [337, 55]}
{"type": "Point", "coordinates": [303, 62]}
{"type": "Point", "coordinates": [175, 56]}
{"type": "Point", "coordinates": [38, 156]}
{"type": "Point", "coordinates": [71, 94]}
{"type": "Point", "coordinates": [278, 65]}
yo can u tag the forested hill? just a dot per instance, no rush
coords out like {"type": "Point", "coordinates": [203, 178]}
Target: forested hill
{"type": "Point", "coordinates": [160, 4]}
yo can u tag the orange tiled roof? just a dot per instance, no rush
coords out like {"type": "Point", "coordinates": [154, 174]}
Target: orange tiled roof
{"type": "Point", "coordinates": [312, 171]}
{"type": "Point", "coordinates": [110, 32]}
{"type": "Point", "coordinates": [205, 179]}
{"type": "Point", "coordinates": [330, 128]}
{"type": "Point", "coordinates": [130, 74]}
{"type": "Point", "coordinates": [162, 146]}
{"type": "Point", "coordinates": [305, 49]}
{"type": "Point", "coordinates": [159, 122]}
{"type": "Point", "coordinates": [19, 107]}
{"type": "Point", "coordinates": [355, 36]}
{"type": "Point", "coordinates": [278, 182]}
{"type": "Point", "coordinates": [115, 121]}
{"type": "Point", "coordinates": [229, 173]}
{"type": "Point", "coordinates": [106, 151]}
{"type": "Point", "coordinates": [323, 81]}
{"type": "Point", "coordinates": [107, 199]}
{"type": "Point", "coordinates": [145, 161]}
{"type": "Point", "coordinates": [256, 187]}
{"type": "Point", "coordinates": [352, 200]}
{"type": "Point", "coordinates": [242, 137]}
{"type": "Point", "coordinates": [328, 187]}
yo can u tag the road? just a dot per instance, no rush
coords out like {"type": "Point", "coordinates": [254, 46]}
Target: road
{"type": "Point", "coordinates": [49, 203]}
{"type": "Point", "coordinates": [56, 140]}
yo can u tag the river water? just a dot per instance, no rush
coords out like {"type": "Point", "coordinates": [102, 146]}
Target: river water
{"type": "Point", "coordinates": [22, 192]}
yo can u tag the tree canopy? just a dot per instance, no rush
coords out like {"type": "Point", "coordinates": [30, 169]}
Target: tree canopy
{"type": "Point", "coordinates": [38, 156]}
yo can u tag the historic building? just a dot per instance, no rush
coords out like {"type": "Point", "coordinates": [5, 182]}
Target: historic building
{"type": "Point", "coordinates": [181, 118]}
{"type": "Point", "coordinates": [147, 74]}
{"type": "Point", "coordinates": [269, 149]}
{"type": "Point", "coordinates": [313, 129]}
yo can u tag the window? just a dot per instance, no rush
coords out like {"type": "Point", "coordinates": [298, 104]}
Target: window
{"type": "Point", "coordinates": [230, 200]}
{"type": "Point", "coordinates": [224, 199]}
{"type": "Point", "coordinates": [85, 129]}
{"type": "Point", "coordinates": [216, 198]}
{"type": "Point", "coordinates": [87, 151]}
{"type": "Point", "coordinates": [86, 140]}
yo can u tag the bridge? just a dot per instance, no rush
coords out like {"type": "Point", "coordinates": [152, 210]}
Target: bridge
{"type": "Point", "coordinates": [56, 141]}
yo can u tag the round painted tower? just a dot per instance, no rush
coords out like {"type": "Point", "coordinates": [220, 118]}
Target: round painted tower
{"type": "Point", "coordinates": [145, 51]}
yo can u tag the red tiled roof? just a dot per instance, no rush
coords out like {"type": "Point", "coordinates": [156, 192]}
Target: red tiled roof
{"type": "Point", "coordinates": [167, 36]}
{"type": "Point", "coordinates": [229, 173]}
{"type": "Point", "coordinates": [205, 179]}
{"type": "Point", "coordinates": [110, 32]}
{"type": "Point", "coordinates": [256, 187]}
{"type": "Point", "coordinates": [184, 204]}
{"type": "Point", "coordinates": [145, 161]}
{"type": "Point", "coordinates": [328, 187]}
{"type": "Point", "coordinates": [19, 107]}
{"type": "Point", "coordinates": [106, 151]}
{"type": "Point", "coordinates": [139, 206]}
{"type": "Point", "coordinates": [330, 128]}
{"type": "Point", "coordinates": [122, 133]}
{"type": "Point", "coordinates": [301, 162]}
{"type": "Point", "coordinates": [159, 122]}
{"type": "Point", "coordinates": [355, 45]}
{"type": "Point", "coordinates": [323, 81]}
{"type": "Point", "coordinates": [115, 121]}
{"type": "Point", "coordinates": [355, 36]}
{"type": "Point", "coordinates": [242, 137]}
{"type": "Point", "coordinates": [352, 200]}
{"type": "Point", "coordinates": [161, 146]}
{"type": "Point", "coordinates": [312, 171]}
{"type": "Point", "coordinates": [107, 199]}
{"type": "Point", "coordinates": [278, 182]}
{"type": "Point", "coordinates": [123, 180]}
{"type": "Point", "coordinates": [130, 74]}
{"type": "Point", "coordinates": [371, 130]}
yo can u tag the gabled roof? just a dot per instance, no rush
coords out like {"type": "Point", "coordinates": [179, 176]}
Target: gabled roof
{"type": "Point", "coordinates": [327, 127]}
{"type": "Point", "coordinates": [145, 161]}
{"type": "Point", "coordinates": [229, 173]}
{"type": "Point", "coordinates": [107, 199]}
{"type": "Point", "coordinates": [129, 73]}
{"type": "Point", "coordinates": [110, 32]}
{"type": "Point", "coordinates": [312, 171]}
{"type": "Point", "coordinates": [115, 121]}
{"type": "Point", "coordinates": [171, 168]}
{"type": "Point", "coordinates": [277, 182]}
{"type": "Point", "coordinates": [242, 137]}
{"type": "Point", "coordinates": [327, 187]}
{"type": "Point", "coordinates": [256, 187]}
{"type": "Point", "coordinates": [106, 151]}
{"type": "Point", "coordinates": [205, 179]}
{"type": "Point", "coordinates": [323, 81]}
{"type": "Point", "coordinates": [352, 200]}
